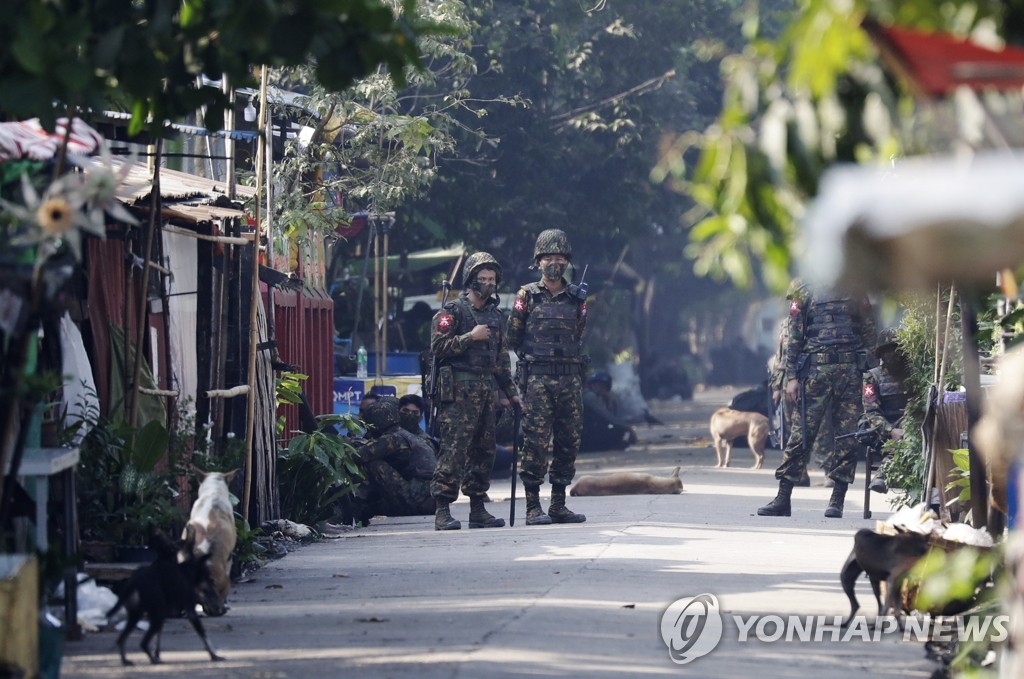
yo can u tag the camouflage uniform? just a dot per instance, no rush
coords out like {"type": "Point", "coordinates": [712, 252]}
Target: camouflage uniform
{"type": "Point", "coordinates": [827, 350]}
{"type": "Point", "coordinates": [397, 465]}
{"type": "Point", "coordinates": [466, 416]}
{"type": "Point", "coordinates": [546, 330]}
{"type": "Point", "coordinates": [885, 396]}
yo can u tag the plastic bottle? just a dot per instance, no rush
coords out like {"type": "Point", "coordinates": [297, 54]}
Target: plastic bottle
{"type": "Point", "coordinates": [361, 359]}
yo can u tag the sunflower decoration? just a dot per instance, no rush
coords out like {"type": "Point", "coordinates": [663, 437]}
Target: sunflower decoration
{"type": "Point", "coordinates": [79, 201]}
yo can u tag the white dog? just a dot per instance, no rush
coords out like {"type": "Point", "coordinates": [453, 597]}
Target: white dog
{"type": "Point", "coordinates": [211, 526]}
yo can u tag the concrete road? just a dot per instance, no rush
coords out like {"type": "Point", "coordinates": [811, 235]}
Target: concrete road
{"type": "Point", "coordinates": [398, 599]}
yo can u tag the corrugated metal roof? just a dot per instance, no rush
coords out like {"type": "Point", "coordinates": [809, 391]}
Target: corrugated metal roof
{"type": "Point", "coordinates": [174, 185]}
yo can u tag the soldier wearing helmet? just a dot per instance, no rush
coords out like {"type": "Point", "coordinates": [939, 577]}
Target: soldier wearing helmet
{"type": "Point", "coordinates": [468, 339]}
{"type": "Point", "coordinates": [885, 394]}
{"type": "Point", "coordinates": [830, 337]}
{"type": "Point", "coordinates": [545, 329]}
{"type": "Point", "coordinates": [397, 466]}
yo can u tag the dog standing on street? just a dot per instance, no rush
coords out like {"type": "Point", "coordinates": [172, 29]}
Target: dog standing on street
{"type": "Point", "coordinates": [211, 527]}
{"type": "Point", "coordinates": [170, 586]}
{"type": "Point", "coordinates": [728, 424]}
{"type": "Point", "coordinates": [883, 558]}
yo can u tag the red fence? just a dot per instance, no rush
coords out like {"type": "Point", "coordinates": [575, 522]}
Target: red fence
{"type": "Point", "coordinates": [304, 328]}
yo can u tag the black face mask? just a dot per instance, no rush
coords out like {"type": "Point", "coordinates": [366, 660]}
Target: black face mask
{"type": "Point", "coordinates": [409, 422]}
{"type": "Point", "coordinates": [553, 270]}
{"type": "Point", "coordinates": [485, 290]}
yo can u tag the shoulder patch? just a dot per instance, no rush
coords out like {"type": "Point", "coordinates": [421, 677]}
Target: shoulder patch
{"type": "Point", "coordinates": [794, 307]}
{"type": "Point", "coordinates": [519, 305]}
{"type": "Point", "coordinates": [583, 309]}
{"type": "Point", "coordinates": [869, 393]}
{"type": "Point", "coordinates": [445, 322]}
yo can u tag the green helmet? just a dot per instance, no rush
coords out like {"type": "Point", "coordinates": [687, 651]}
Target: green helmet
{"type": "Point", "coordinates": [552, 242]}
{"type": "Point", "coordinates": [383, 415]}
{"type": "Point", "coordinates": [474, 263]}
{"type": "Point", "coordinates": [886, 339]}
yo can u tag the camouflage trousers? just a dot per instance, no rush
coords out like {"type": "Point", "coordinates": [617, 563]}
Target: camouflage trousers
{"type": "Point", "coordinates": [392, 495]}
{"type": "Point", "coordinates": [552, 420]}
{"type": "Point", "coordinates": [466, 429]}
{"type": "Point", "coordinates": [834, 406]}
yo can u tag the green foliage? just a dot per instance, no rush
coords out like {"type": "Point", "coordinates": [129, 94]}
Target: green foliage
{"type": "Point", "coordinates": [146, 56]}
{"type": "Point", "coordinates": [904, 469]}
{"type": "Point", "coordinates": [806, 91]}
{"type": "Point", "coordinates": [122, 493]}
{"type": "Point", "coordinates": [375, 144]}
{"type": "Point", "coordinates": [316, 470]}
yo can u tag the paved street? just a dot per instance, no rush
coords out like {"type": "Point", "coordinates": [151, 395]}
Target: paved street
{"type": "Point", "coordinates": [400, 600]}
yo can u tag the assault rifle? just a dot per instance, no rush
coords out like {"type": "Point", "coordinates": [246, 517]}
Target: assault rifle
{"type": "Point", "coordinates": [432, 386]}
{"type": "Point", "coordinates": [869, 437]}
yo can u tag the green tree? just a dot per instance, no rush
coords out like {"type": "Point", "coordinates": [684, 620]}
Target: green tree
{"type": "Point", "coordinates": [63, 56]}
{"type": "Point", "coordinates": [375, 145]}
{"type": "Point", "coordinates": [806, 90]}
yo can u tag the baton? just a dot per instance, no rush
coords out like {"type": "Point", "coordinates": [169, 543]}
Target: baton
{"type": "Point", "coordinates": [516, 439]}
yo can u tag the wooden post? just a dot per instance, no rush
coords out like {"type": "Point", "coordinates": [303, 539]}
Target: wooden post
{"type": "Point", "coordinates": [254, 301]}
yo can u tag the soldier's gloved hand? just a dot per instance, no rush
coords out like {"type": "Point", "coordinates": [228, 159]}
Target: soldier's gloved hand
{"type": "Point", "coordinates": [517, 403]}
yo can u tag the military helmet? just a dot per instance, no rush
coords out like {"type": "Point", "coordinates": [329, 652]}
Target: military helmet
{"type": "Point", "coordinates": [474, 263]}
{"type": "Point", "coordinates": [886, 340]}
{"type": "Point", "coordinates": [552, 242]}
{"type": "Point", "coordinates": [383, 414]}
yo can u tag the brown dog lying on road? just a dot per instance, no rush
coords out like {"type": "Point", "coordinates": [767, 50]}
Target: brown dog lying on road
{"type": "Point", "coordinates": [728, 424]}
{"type": "Point", "coordinates": [628, 483]}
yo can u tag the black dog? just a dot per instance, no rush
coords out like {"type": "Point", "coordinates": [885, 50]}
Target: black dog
{"type": "Point", "coordinates": [170, 586]}
{"type": "Point", "coordinates": [881, 557]}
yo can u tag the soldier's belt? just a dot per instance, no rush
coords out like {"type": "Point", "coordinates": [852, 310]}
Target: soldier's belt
{"type": "Point", "coordinates": [832, 357]}
{"type": "Point", "coordinates": [467, 376]}
{"type": "Point", "coordinates": [556, 369]}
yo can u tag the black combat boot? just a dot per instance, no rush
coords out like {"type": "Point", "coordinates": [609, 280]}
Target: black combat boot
{"type": "Point", "coordinates": [480, 517]}
{"type": "Point", "coordinates": [535, 516]}
{"type": "Point", "coordinates": [558, 512]}
{"type": "Point", "coordinates": [835, 503]}
{"type": "Point", "coordinates": [780, 505]}
{"type": "Point", "coordinates": [443, 518]}
{"type": "Point", "coordinates": [878, 484]}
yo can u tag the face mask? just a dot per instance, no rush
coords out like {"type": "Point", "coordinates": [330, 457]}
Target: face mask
{"type": "Point", "coordinates": [485, 290]}
{"type": "Point", "coordinates": [409, 422]}
{"type": "Point", "coordinates": [553, 270]}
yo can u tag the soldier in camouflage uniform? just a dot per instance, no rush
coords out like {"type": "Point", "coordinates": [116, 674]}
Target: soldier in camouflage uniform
{"type": "Point", "coordinates": [545, 329]}
{"type": "Point", "coordinates": [468, 339]}
{"type": "Point", "coordinates": [397, 465]}
{"type": "Point", "coordinates": [885, 395]}
{"type": "Point", "coordinates": [826, 354]}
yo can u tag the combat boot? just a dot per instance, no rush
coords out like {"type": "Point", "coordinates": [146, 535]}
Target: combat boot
{"type": "Point", "coordinates": [443, 518]}
{"type": "Point", "coordinates": [535, 516]}
{"type": "Point", "coordinates": [780, 505]}
{"type": "Point", "coordinates": [480, 517]}
{"type": "Point", "coordinates": [878, 484]}
{"type": "Point", "coordinates": [835, 503]}
{"type": "Point", "coordinates": [558, 512]}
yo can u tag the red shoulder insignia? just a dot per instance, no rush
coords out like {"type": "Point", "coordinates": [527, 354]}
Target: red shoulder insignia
{"type": "Point", "coordinates": [583, 309]}
{"type": "Point", "coordinates": [445, 322]}
{"type": "Point", "coordinates": [869, 393]}
{"type": "Point", "coordinates": [794, 307]}
{"type": "Point", "coordinates": [519, 305]}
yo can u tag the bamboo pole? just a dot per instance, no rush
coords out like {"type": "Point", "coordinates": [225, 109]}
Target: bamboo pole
{"type": "Point", "coordinates": [147, 257]}
{"type": "Point", "coordinates": [382, 363]}
{"type": "Point", "coordinates": [254, 300]}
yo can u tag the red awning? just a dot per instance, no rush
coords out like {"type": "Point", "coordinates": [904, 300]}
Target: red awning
{"type": "Point", "coordinates": [937, 63]}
